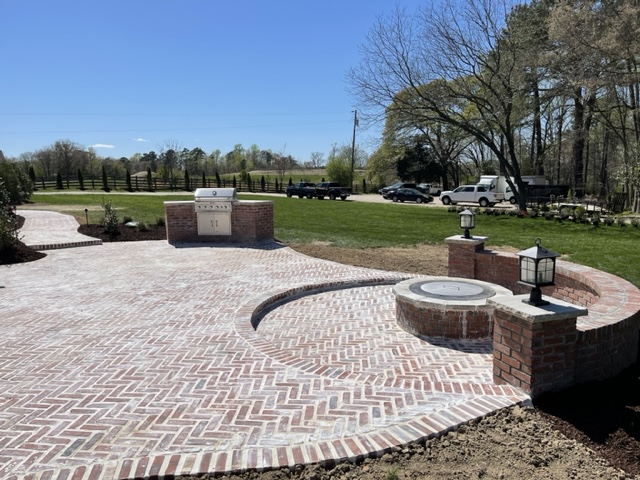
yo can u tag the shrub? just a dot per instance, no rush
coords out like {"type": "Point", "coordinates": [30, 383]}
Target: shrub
{"type": "Point", "coordinates": [143, 227]}
{"type": "Point", "coordinates": [8, 221]}
{"type": "Point", "coordinates": [565, 212]}
{"type": "Point", "coordinates": [17, 185]}
{"type": "Point", "coordinates": [160, 221]}
{"type": "Point", "coordinates": [110, 219]}
{"type": "Point", "coordinates": [127, 219]}
{"type": "Point", "coordinates": [608, 221]}
{"type": "Point", "coordinates": [635, 222]}
{"type": "Point", "coordinates": [621, 222]}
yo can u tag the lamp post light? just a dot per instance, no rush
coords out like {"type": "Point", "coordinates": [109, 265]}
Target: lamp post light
{"type": "Point", "coordinates": [467, 222]}
{"type": "Point", "coordinates": [537, 269]}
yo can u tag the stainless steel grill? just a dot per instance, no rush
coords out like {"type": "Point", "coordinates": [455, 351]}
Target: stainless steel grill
{"type": "Point", "coordinates": [213, 207]}
{"type": "Point", "coordinates": [215, 199]}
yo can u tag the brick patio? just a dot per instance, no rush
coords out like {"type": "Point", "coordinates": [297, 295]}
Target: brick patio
{"type": "Point", "coordinates": [140, 359]}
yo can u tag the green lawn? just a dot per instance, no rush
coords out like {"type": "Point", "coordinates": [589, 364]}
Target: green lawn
{"type": "Point", "coordinates": [360, 225]}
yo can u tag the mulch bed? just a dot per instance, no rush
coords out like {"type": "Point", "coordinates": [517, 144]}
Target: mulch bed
{"type": "Point", "coordinates": [124, 233]}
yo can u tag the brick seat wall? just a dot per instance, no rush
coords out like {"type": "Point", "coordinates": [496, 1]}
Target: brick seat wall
{"type": "Point", "coordinates": [607, 338]}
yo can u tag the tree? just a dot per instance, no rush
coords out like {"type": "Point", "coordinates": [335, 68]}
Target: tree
{"type": "Point", "coordinates": [338, 165]}
{"type": "Point", "coordinates": [419, 163]}
{"type": "Point", "coordinates": [80, 179]}
{"type": "Point", "coordinates": [317, 159]}
{"type": "Point", "coordinates": [105, 180]}
{"type": "Point", "coordinates": [282, 164]}
{"type": "Point", "coordinates": [187, 181]}
{"type": "Point", "coordinates": [470, 61]}
{"type": "Point", "coordinates": [149, 179]}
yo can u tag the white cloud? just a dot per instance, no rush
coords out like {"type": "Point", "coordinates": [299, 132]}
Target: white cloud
{"type": "Point", "coordinates": [102, 145]}
{"type": "Point", "coordinates": [139, 139]}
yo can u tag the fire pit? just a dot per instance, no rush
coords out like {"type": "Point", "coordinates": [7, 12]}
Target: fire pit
{"type": "Point", "coordinates": [446, 307]}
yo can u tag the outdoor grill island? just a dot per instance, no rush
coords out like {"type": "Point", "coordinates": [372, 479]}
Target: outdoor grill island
{"type": "Point", "coordinates": [217, 216]}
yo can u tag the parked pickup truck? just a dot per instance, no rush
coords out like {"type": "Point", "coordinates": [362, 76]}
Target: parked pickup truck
{"type": "Point", "coordinates": [301, 189]}
{"type": "Point", "coordinates": [332, 190]}
{"type": "Point", "coordinates": [470, 194]}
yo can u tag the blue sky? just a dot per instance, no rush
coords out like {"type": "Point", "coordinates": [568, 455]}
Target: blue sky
{"type": "Point", "coordinates": [128, 76]}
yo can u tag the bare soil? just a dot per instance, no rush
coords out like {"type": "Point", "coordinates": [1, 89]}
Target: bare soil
{"type": "Point", "coordinates": [586, 432]}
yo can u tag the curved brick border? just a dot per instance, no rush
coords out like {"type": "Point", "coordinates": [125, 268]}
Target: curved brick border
{"type": "Point", "coordinates": [606, 340]}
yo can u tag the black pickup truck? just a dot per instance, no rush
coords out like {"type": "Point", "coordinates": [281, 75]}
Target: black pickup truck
{"type": "Point", "coordinates": [320, 190]}
{"type": "Point", "coordinates": [301, 190]}
{"type": "Point", "coordinates": [332, 190]}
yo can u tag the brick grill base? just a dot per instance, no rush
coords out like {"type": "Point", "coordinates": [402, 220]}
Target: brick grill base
{"type": "Point", "coordinates": [251, 222]}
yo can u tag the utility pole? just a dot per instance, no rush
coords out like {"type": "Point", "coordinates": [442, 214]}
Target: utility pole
{"type": "Point", "coordinates": [353, 146]}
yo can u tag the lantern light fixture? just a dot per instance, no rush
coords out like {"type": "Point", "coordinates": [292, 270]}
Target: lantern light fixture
{"type": "Point", "coordinates": [467, 222]}
{"type": "Point", "coordinates": [537, 269]}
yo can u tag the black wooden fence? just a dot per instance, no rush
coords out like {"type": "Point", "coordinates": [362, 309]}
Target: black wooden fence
{"type": "Point", "coordinates": [140, 184]}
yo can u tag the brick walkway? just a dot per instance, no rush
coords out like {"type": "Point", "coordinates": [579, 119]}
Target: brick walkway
{"type": "Point", "coordinates": [140, 359]}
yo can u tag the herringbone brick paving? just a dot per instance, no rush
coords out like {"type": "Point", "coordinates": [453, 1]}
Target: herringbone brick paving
{"type": "Point", "coordinates": [140, 359]}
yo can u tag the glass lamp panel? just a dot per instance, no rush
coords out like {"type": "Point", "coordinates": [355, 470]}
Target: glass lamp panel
{"type": "Point", "coordinates": [467, 219]}
{"type": "Point", "coordinates": [545, 270]}
{"type": "Point", "coordinates": [527, 270]}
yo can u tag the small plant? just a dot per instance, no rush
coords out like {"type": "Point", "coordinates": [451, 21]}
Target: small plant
{"type": "Point", "coordinates": [160, 221]}
{"type": "Point", "coordinates": [545, 208]}
{"type": "Point", "coordinates": [565, 213]}
{"type": "Point", "coordinates": [579, 213]}
{"type": "Point", "coordinates": [143, 227]}
{"type": "Point", "coordinates": [608, 221]}
{"type": "Point", "coordinates": [621, 221]}
{"type": "Point", "coordinates": [533, 213]}
{"type": "Point", "coordinates": [635, 222]}
{"type": "Point", "coordinates": [127, 219]}
{"type": "Point", "coordinates": [595, 219]}
{"type": "Point", "coordinates": [548, 215]}
{"type": "Point", "coordinates": [110, 219]}
{"type": "Point", "coordinates": [392, 474]}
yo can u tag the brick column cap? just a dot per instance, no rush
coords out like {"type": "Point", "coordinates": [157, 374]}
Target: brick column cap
{"type": "Point", "coordinates": [178, 202]}
{"type": "Point", "coordinates": [556, 310]}
{"type": "Point", "coordinates": [460, 240]}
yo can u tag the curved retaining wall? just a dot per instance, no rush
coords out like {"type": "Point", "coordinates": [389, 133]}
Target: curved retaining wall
{"type": "Point", "coordinates": [605, 340]}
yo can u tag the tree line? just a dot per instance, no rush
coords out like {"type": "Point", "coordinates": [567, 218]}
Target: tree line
{"type": "Point", "coordinates": [66, 160]}
{"type": "Point", "coordinates": [545, 87]}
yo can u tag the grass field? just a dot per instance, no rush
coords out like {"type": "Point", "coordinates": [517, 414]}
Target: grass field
{"type": "Point", "coordinates": [361, 225]}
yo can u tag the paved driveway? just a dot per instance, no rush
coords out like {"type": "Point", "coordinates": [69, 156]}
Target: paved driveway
{"type": "Point", "coordinates": [138, 359]}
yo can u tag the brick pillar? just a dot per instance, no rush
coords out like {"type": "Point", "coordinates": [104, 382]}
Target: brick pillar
{"type": "Point", "coordinates": [462, 255]}
{"type": "Point", "coordinates": [534, 348]}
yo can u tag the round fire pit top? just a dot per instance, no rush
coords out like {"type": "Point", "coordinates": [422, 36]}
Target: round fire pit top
{"type": "Point", "coordinates": [452, 289]}
{"type": "Point", "coordinates": [449, 291]}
